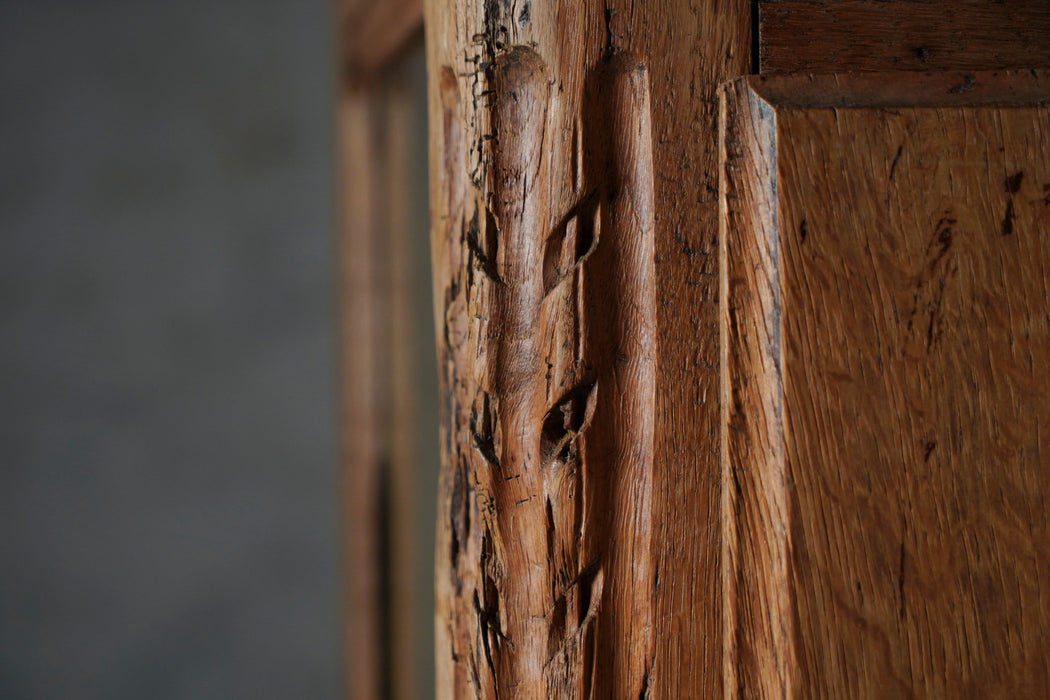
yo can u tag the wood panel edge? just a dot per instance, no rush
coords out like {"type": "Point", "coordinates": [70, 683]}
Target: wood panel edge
{"type": "Point", "coordinates": [758, 622]}
{"type": "Point", "coordinates": [903, 89]}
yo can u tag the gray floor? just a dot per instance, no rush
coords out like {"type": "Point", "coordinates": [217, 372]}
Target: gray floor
{"type": "Point", "coordinates": [168, 521]}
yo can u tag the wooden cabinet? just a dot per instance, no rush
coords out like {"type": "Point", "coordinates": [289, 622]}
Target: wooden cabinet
{"type": "Point", "coordinates": [743, 332]}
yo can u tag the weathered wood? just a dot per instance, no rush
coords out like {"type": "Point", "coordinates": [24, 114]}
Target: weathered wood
{"type": "Point", "coordinates": [886, 333]}
{"type": "Point", "coordinates": [574, 209]}
{"type": "Point", "coordinates": [880, 35]}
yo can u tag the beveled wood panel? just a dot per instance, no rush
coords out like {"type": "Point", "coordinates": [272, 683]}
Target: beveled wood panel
{"type": "Point", "coordinates": [887, 356]}
{"type": "Point", "coordinates": [880, 35]}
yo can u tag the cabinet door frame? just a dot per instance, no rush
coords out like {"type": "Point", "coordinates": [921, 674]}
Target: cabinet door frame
{"type": "Point", "coordinates": [621, 121]}
{"type": "Point", "coordinates": [375, 117]}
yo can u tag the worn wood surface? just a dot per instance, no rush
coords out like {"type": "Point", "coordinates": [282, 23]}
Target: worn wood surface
{"type": "Point", "coordinates": [879, 35]}
{"type": "Point", "coordinates": [886, 338]}
{"type": "Point", "coordinates": [574, 209]}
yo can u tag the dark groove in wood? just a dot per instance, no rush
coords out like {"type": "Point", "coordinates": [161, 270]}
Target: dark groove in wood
{"type": "Point", "coordinates": [916, 35]}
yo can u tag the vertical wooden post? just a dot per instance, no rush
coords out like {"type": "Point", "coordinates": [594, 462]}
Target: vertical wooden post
{"type": "Point", "coordinates": [403, 444]}
{"type": "Point", "coordinates": [377, 123]}
{"type": "Point", "coordinates": [574, 209]}
{"type": "Point", "coordinates": [361, 444]}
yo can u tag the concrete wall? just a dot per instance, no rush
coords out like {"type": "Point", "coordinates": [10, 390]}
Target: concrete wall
{"type": "Point", "coordinates": [168, 503]}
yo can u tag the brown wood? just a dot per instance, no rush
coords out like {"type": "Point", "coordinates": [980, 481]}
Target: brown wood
{"type": "Point", "coordinates": [373, 33]}
{"type": "Point", "coordinates": [865, 35]}
{"type": "Point", "coordinates": [379, 387]}
{"type": "Point", "coordinates": [884, 387]}
{"type": "Point", "coordinates": [362, 446]}
{"type": "Point", "coordinates": [401, 120]}
{"type": "Point", "coordinates": [574, 208]}
{"type": "Point", "coordinates": [904, 89]}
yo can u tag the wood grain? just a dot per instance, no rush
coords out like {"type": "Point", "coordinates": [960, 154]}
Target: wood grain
{"type": "Point", "coordinates": [886, 340]}
{"type": "Point", "coordinates": [904, 89]}
{"type": "Point", "coordinates": [619, 290]}
{"type": "Point", "coordinates": [518, 596]}
{"type": "Point", "coordinates": [574, 209]}
{"type": "Point", "coordinates": [882, 35]}
{"type": "Point", "coordinates": [758, 626]}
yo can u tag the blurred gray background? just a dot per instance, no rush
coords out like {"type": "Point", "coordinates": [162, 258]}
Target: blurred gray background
{"type": "Point", "coordinates": [168, 493]}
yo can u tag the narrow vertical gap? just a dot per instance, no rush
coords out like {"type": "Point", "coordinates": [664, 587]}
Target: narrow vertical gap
{"type": "Point", "coordinates": [384, 564]}
{"type": "Point", "coordinates": [382, 397]}
{"type": "Point", "coordinates": [756, 31]}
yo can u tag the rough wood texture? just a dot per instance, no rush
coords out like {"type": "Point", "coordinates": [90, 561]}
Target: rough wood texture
{"type": "Point", "coordinates": [574, 182]}
{"type": "Point", "coordinates": [619, 289]}
{"type": "Point", "coordinates": [886, 337]}
{"type": "Point", "coordinates": [865, 35]}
